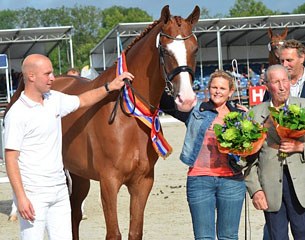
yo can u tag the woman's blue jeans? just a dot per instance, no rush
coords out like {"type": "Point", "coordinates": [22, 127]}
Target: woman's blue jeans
{"type": "Point", "coordinates": [209, 196]}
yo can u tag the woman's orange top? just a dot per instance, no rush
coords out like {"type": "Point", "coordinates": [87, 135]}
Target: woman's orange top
{"type": "Point", "coordinates": [210, 162]}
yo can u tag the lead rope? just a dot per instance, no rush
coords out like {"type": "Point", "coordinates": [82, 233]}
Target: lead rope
{"type": "Point", "coordinates": [120, 100]}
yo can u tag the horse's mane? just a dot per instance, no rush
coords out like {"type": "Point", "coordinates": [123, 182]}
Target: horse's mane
{"type": "Point", "coordinates": [145, 31]}
{"type": "Point", "coordinates": [178, 20]}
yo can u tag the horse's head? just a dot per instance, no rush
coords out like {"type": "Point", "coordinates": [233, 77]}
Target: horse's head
{"type": "Point", "coordinates": [178, 47]}
{"type": "Point", "coordinates": [276, 40]}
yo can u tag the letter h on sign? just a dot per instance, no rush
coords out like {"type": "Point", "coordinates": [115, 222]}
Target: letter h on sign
{"type": "Point", "coordinates": [256, 95]}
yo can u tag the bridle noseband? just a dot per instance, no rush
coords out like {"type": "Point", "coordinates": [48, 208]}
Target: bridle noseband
{"type": "Point", "coordinates": [169, 89]}
{"type": "Point", "coordinates": [273, 47]}
{"type": "Point", "coordinates": [168, 77]}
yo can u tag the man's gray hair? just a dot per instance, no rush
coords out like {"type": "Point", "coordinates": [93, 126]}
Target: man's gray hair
{"type": "Point", "coordinates": [274, 68]}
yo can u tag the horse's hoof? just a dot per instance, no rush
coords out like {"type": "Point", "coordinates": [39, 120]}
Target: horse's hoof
{"type": "Point", "coordinates": [13, 218]}
{"type": "Point", "coordinates": [84, 217]}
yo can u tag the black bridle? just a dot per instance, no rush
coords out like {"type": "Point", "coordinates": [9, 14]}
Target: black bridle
{"type": "Point", "coordinates": [169, 89]}
{"type": "Point", "coordinates": [168, 77]}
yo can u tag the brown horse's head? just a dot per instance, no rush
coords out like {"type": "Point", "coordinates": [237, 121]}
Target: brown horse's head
{"type": "Point", "coordinates": [178, 47]}
{"type": "Point", "coordinates": [276, 40]}
{"type": "Point", "coordinates": [164, 57]}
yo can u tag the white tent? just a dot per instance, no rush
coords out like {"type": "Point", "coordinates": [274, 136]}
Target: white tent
{"type": "Point", "coordinates": [16, 44]}
{"type": "Point", "coordinates": [220, 40]}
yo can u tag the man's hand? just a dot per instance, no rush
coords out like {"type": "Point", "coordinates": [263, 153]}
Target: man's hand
{"type": "Point", "coordinates": [259, 200]}
{"type": "Point", "coordinates": [26, 209]}
{"type": "Point", "coordinates": [118, 82]}
{"type": "Point", "coordinates": [289, 145]}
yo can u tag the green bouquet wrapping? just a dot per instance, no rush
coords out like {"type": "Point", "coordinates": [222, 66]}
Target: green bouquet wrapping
{"type": "Point", "coordinates": [240, 134]}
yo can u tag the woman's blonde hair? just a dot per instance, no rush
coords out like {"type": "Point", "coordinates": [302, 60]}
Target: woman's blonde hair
{"type": "Point", "coordinates": [222, 74]}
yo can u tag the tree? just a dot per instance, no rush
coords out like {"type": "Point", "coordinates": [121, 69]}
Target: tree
{"type": "Point", "coordinates": [116, 14]}
{"type": "Point", "coordinates": [299, 9]}
{"type": "Point", "coordinates": [90, 25]}
{"type": "Point", "coordinates": [244, 8]}
{"type": "Point", "coordinates": [205, 14]}
{"type": "Point", "coordinates": [8, 19]}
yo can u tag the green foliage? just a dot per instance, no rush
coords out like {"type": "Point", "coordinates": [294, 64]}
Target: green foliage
{"type": "Point", "coordinates": [300, 9]}
{"type": "Point", "coordinates": [114, 15]}
{"type": "Point", "coordinates": [245, 8]}
{"type": "Point", "coordinates": [7, 19]}
{"type": "Point", "coordinates": [290, 116]}
{"type": "Point", "coordinates": [90, 25]}
{"type": "Point", "coordinates": [238, 132]}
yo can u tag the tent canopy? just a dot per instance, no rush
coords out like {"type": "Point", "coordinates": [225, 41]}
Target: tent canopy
{"type": "Point", "coordinates": [18, 43]}
{"type": "Point", "coordinates": [220, 40]}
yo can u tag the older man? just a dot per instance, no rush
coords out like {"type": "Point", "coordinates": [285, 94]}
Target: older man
{"type": "Point", "coordinates": [277, 185]}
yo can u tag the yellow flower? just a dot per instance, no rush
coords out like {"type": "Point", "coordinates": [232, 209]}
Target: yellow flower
{"type": "Point", "coordinates": [247, 125]}
{"type": "Point", "coordinates": [295, 109]}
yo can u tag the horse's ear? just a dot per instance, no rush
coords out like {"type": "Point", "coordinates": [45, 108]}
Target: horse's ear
{"type": "Point", "coordinates": [270, 34]}
{"type": "Point", "coordinates": [284, 34]}
{"type": "Point", "coordinates": [165, 14]}
{"type": "Point", "coordinates": [194, 16]}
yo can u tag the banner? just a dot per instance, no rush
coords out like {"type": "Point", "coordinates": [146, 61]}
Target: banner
{"type": "Point", "coordinates": [256, 95]}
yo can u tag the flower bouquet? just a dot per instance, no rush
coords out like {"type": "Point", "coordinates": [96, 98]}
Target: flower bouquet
{"type": "Point", "coordinates": [239, 135]}
{"type": "Point", "coordinates": [289, 122]}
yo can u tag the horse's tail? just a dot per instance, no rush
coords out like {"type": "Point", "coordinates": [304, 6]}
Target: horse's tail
{"type": "Point", "coordinates": [15, 96]}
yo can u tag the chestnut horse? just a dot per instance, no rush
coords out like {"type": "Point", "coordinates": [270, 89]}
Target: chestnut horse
{"type": "Point", "coordinates": [120, 152]}
{"type": "Point", "coordinates": [276, 40]}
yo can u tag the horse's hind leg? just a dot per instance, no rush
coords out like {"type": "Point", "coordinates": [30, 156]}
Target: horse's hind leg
{"type": "Point", "coordinates": [139, 192]}
{"type": "Point", "coordinates": [80, 189]}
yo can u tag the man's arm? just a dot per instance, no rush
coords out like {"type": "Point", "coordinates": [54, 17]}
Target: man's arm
{"type": "Point", "coordinates": [253, 185]}
{"type": "Point", "coordinates": [95, 95]}
{"type": "Point", "coordinates": [251, 175]}
{"type": "Point", "coordinates": [24, 206]}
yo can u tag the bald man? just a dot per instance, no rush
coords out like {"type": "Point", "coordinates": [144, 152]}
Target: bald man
{"type": "Point", "coordinates": [33, 145]}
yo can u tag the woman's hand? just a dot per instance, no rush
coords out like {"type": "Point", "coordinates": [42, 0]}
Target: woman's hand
{"type": "Point", "coordinates": [242, 107]}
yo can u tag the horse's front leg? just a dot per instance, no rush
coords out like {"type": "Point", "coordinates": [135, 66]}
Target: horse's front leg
{"type": "Point", "coordinates": [139, 191]}
{"type": "Point", "coordinates": [109, 191]}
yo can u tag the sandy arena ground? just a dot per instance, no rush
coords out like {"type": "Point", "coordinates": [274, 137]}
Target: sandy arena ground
{"type": "Point", "coordinates": [167, 215]}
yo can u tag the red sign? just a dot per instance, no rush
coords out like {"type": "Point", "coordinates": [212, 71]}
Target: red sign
{"type": "Point", "coordinates": [256, 95]}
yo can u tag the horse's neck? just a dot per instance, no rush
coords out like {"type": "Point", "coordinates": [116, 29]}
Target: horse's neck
{"type": "Point", "coordinates": [273, 59]}
{"type": "Point", "coordinates": [143, 61]}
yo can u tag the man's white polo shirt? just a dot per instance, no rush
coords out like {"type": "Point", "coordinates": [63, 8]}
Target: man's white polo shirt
{"type": "Point", "coordinates": [34, 130]}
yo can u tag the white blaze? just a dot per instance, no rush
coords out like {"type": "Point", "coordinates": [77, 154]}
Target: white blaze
{"type": "Point", "coordinates": [186, 97]}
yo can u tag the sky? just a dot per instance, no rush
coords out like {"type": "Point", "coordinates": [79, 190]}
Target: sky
{"type": "Point", "coordinates": [152, 7]}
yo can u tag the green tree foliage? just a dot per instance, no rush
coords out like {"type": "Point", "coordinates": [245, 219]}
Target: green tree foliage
{"type": "Point", "coordinates": [114, 15]}
{"type": "Point", "coordinates": [7, 19]}
{"type": "Point", "coordinates": [300, 9]}
{"type": "Point", "coordinates": [244, 8]}
{"type": "Point", "coordinates": [90, 25]}
{"type": "Point", "coordinates": [205, 14]}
